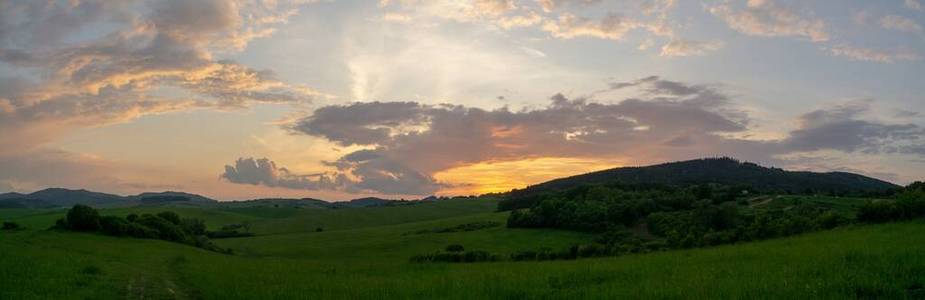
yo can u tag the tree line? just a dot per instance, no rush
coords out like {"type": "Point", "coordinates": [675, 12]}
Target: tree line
{"type": "Point", "coordinates": [685, 217]}
{"type": "Point", "coordinates": [166, 225]}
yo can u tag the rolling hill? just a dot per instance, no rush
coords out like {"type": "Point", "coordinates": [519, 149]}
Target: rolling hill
{"type": "Point", "coordinates": [60, 197]}
{"type": "Point", "coordinates": [725, 171]}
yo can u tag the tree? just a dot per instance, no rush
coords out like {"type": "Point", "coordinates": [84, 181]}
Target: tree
{"type": "Point", "coordinates": [193, 226]}
{"type": "Point", "coordinates": [166, 230]}
{"type": "Point", "coordinates": [115, 226]}
{"type": "Point", "coordinates": [170, 216]}
{"type": "Point", "coordinates": [83, 218]}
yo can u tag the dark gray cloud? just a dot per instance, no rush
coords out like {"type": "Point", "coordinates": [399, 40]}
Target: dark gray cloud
{"type": "Point", "coordinates": [841, 128]}
{"type": "Point", "coordinates": [361, 123]}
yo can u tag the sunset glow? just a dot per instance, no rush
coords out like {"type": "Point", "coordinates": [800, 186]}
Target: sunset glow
{"type": "Point", "coordinates": [405, 99]}
{"type": "Point", "coordinates": [495, 177]}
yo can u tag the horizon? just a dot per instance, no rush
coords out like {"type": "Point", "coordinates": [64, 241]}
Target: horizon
{"type": "Point", "coordinates": [429, 196]}
{"type": "Point", "coordinates": [340, 100]}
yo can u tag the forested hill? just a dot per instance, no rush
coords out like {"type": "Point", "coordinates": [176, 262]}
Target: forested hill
{"type": "Point", "coordinates": [725, 171]}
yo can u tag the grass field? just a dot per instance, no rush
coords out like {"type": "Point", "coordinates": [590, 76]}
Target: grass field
{"type": "Point", "coordinates": [363, 253]}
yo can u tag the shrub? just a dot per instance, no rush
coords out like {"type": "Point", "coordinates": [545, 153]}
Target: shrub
{"type": "Point", "coordinates": [83, 218]}
{"type": "Point", "coordinates": [193, 226]}
{"type": "Point", "coordinates": [166, 230]}
{"type": "Point", "coordinates": [10, 226]}
{"type": "Point", "coordinates": [61, 223]}
{"type": "Point", "coordinates": [878, 211]}
{"type": "Point", "coordinates": [319, 229]}
{"type": "Point", "coordinates": [455, 248]}
{"type": "Point", "coordinates": [227, 234]}
{"type": "Point", "coordinates": [115, 226]}
{"type": "Point", "coordinates": [131, 217]}
{"type": "Point", "coordinates": [141, 231]}
{"type": "Point", "coordinates": [591, 250]}
{"type": "Point", "coordinates": [170, 216]}
{"type": "Point", "coordinates": [829, 220]}
{"type": "Point", "coordinates": [91, 270]}
{"type": "Point", "coordinates": [455, 257]}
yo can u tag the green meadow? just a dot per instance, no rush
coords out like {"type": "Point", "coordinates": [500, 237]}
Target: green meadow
{"type": "Point", "coordinates": [363, 253]}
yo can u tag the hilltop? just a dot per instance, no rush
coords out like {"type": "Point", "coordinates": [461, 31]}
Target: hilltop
{"type": "Point", "coordinates": [724, 171]}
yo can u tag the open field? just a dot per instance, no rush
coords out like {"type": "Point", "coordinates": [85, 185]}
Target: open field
{"type": "Point", "coordinates": [363, 253]}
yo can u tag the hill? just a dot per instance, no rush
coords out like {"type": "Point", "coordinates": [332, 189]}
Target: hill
{"type": "Point", "coordinates": [724, 171]}
{"type": "Point", "coordinates": [60, 197]}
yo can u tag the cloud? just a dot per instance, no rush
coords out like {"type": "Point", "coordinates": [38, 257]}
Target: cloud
{"type": "Point", "coordinates": [678, 47]}
{"type": "Point", "coordinates": [368, 174]}
{"type": "Point", "coordinates": [874, 55]}
{"type": "Point", "coordinates": [611, 27]}
{"type": "Point", "coordinates": [528, 20]}
{"type": "Point", "coordinates": [841, 128]}
{"type": "Point", "coordinates": [766, 18]}
{"type": "Point", "coordinates": [550, 5]}
{"type": "Point", "coordinates": [900, 23]}
{"type": "Point", "coordinates": [405, 143]}
{"type": "Point", "coordinates": [549, 16]}
{"type": "Point", "coordinates": [92, 63]}
{"type": "Point", "coordinates": [494, 7]}
{"type": "Point", "coordinates": [264, 172]}
{"type": "Point", "coordinates": [913, 4]}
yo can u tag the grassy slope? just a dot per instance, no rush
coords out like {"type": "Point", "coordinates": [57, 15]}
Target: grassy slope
{"type": "Point", "coordinates": [369, 260]}
{"type": "Point", "coordinates": [268, 220]}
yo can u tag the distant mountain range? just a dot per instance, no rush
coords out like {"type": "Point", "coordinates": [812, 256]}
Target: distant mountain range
{"type": "Point", "coordinates": [59, 197]}
{"type": "Point", "coordinates": [725, 171]}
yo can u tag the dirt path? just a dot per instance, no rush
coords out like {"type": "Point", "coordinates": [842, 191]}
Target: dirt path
{"type": "Point", "coordinates": [762, 200]}
{"type": "Point", "coordinates": [170, 286]}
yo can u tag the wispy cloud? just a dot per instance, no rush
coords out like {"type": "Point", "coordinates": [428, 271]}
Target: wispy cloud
{"type": "Point", "coordinates": [875, 55]}
{"type": "Point", "coordinates": [679, 47]}
{"type": "Point", "coordinates": [900, 23]}
{"type": "Point", "coordinates": [913, 4]}
{"type": "Point", "coordinates": [767, 18]}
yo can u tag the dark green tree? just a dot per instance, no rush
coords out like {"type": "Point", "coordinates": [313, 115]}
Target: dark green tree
{"type": "Point", "coordinates": [83, 218]}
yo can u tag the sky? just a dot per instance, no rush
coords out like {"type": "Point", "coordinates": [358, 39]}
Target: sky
{"type": "Point", "coordinates": [241, 99]}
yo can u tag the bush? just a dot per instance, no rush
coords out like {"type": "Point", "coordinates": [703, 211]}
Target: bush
{"type": "Point", "coordinates": [10, 226]}
{"type": "Point", "coordinates": [227, 234]}
{"type": "Point", "coordinates": [61, 224]}
{"type": "Point", "coordinates": [455, 257]}
{"type": "Point", "coordinates": [829, 220]}
{"type": "Point", "coordinates": [878, 211]}
{"type": "Point", "coordinates": [455, 248]}
{"type": "Point", "coordinates": [83, 218]}
{"type": "Point", "coordinates": [140, 231]}
{"type": "Point", "coordinates": [591, 250]}
{"type": "Point", "coordinates": [170, 216]}
{"type": "Point", "coordinates": [131, 217]}
{"type": "Point", "coordinates": [166, 229]}
{"type": "Point", "coordinates": [319, 229]}
{"type": "Point", "coordinates": [114, 226]}
{"type": "Point", "coordinates": [193, 226]}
